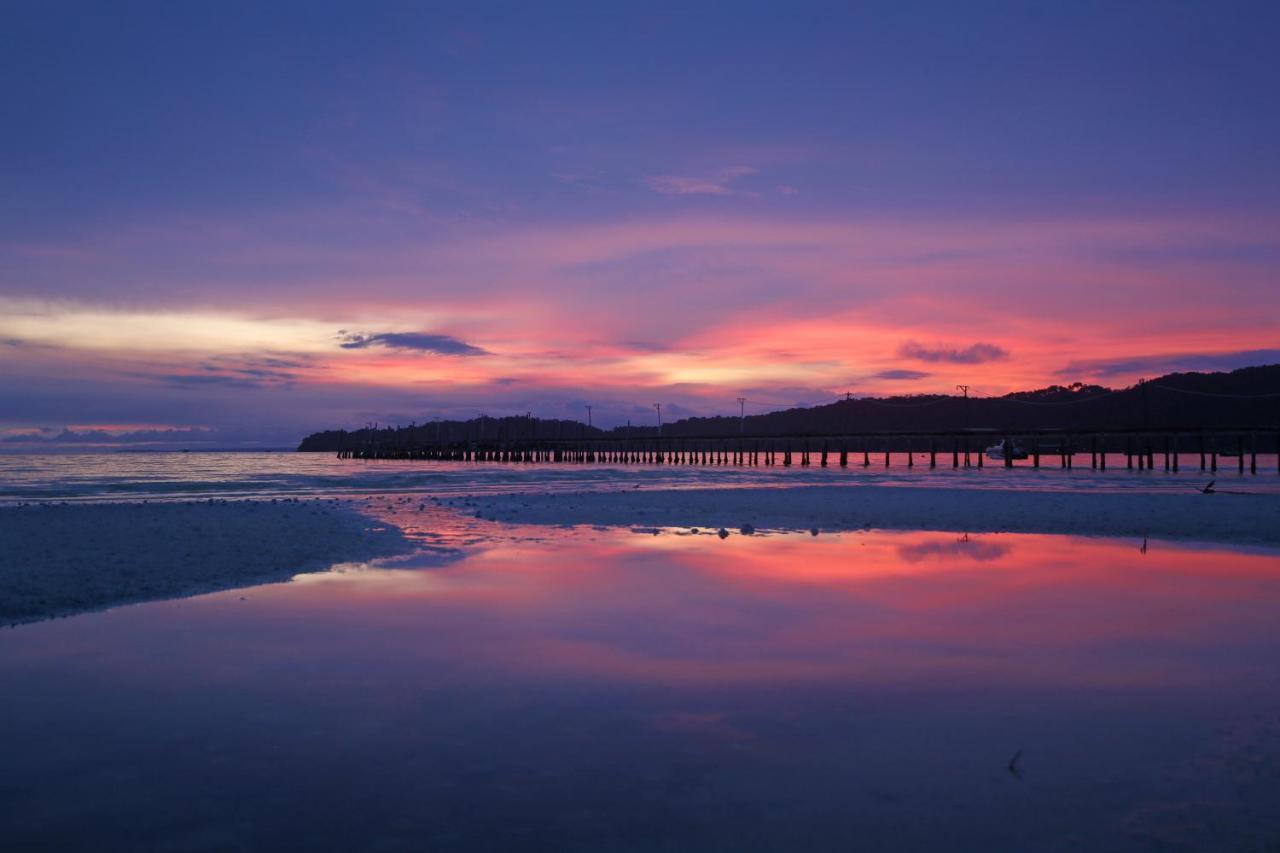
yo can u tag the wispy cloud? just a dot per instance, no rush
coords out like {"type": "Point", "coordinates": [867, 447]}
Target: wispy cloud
{"type": "Point", "coordinates": [1170, 363]}
{"type": "Point", "coordinates": [688, 309]}
{"type": "Point", "coordinates": [93, 436]}
{"type": "Point", "coordinates": [978, 353]}
{"type": "Point", "coordinates": [717, 184]}
{"type": "Point", "coordinates": [90, 326]}
{"type": "Point", "coordinates": [646, 346]}
{"type": "Point", "coordinates": [248, 371]}
{"type": "Point", "coordinates": [203, 380]}
{"type": "Point", "coordinates": [415, 341]}
{"type": "Point", "coordinates": [901, 374]}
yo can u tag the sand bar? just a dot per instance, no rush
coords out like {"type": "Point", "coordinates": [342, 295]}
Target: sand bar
{"type": "Point", "coordinates": [1223, 517]}
{"type": "Point", "coordinates": [57, 559]}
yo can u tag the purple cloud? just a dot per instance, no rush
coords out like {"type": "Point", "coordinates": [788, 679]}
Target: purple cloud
{"type": "Point", "coordinates": [417, 341]}
{"type": "Point", "coordinates": [1174, 363]}
{"type": "Point", "coordinates": [901, 374]}
{"type": "Point", "coordinates": [978, 353]}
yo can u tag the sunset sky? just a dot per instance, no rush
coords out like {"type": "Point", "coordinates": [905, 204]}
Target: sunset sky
{"type": "Point", "coordinates": [264, 219]}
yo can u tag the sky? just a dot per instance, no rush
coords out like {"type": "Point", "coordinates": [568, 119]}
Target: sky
{"type": "Point", "coordinates": [257, 220]}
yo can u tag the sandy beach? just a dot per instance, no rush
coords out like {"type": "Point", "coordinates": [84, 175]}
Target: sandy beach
{"type": "Point", "coordinates": [58, 559]}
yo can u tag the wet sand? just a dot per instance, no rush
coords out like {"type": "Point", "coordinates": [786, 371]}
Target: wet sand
{"type": "Point", "coordinates": [1224, 517]}
{"type": "Point", "coordinates": [58, 559]}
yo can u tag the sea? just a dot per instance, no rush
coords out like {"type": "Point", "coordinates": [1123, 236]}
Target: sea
{"type": "Point", "coordinates": [514, 687]}
{"type": "Point", "coordinates": [233, 475]}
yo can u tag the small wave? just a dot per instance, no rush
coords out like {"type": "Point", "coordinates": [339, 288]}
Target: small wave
{"type": "Point", "coordinates": [171, 476]}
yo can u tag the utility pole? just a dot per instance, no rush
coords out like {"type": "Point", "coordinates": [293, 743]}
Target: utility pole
{"type": "Point", "coordinates": [658, 406]}
{"type": "Point", "coordinates": [964, 389]}
{"type": "Point", "coordinates": [588, 417]}
{"type": "Point", "coordinates": [1146, 408]}
{"type": "Point", "coordinates": [742, 414]}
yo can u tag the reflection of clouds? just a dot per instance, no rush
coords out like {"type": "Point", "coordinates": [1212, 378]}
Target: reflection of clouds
{"type": "Point", "coordinates": [611, 607]}
{"type": "Point", "coordinates": [969, 549]}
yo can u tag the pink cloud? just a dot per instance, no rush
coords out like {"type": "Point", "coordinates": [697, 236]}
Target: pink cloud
{"type": "Point", "coordinates": [717, 184]}
{"type": "Point", "coordinates": [710, 305]}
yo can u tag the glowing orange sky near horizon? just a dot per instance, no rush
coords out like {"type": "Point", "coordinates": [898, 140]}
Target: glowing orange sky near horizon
{"type": "Point", "coordinates": [688, 312]}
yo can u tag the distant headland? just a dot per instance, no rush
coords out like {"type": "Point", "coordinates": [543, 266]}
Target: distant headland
{"type": "Point", "coordinates": [1248, 398]}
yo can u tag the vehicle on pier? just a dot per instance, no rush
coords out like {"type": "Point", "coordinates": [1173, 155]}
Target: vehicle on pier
{"type": "Point", "coordinates": [1007, 449]}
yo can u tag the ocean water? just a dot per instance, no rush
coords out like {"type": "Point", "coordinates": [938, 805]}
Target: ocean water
{"type": "Point", "coordinates": [200, 475]}
{"type": "Point", "coordinates": [513, 687]}
{"type": "Point", "coordinates": [606, 690]}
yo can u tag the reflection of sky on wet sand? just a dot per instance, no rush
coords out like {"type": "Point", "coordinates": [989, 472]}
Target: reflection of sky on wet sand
{"type": "Point", "coordinates": [608, 689]}
{"type": "Point", "coordinates": [884, 607]}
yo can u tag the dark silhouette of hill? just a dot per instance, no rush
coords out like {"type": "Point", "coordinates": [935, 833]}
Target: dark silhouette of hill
{"type": "Point", "coordinates": [1245, 398]}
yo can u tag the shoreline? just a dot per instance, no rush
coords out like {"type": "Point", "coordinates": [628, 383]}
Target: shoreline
{"type": "Point", "coordinates": [1250, 519]}
{"type": "Point", "coordinates": [60, 559]}
{"type": "Point", "coordinates": [63, 559]}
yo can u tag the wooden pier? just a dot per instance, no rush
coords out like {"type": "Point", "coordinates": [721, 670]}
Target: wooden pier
{"type": "Point", "coordinates": [1140, 450]}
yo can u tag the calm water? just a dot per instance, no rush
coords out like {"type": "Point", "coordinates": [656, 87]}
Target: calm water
{"type": "Point", "coordinates": [606, 690]}
{"type": "Point", "coordinates": [179, 475]}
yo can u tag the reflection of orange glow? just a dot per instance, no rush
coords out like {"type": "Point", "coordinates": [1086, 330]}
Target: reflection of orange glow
{"type": "Point", "coordinates": [920, 608]}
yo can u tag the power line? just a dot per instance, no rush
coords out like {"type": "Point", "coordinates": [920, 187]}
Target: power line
{"type": "Point", "coordinates": [1213, 394]}
{"type": "Point", "coordinates": [799, 404]}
